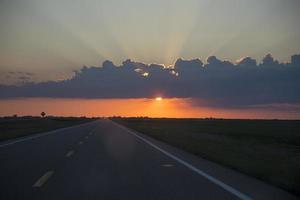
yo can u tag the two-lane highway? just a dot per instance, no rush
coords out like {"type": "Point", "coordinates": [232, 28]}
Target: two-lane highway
{"type": "Point", "coordinates": [103, 160]}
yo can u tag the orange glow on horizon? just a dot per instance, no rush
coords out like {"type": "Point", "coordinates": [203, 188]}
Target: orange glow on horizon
{"type": "Point", "coordinates": [167, 107]}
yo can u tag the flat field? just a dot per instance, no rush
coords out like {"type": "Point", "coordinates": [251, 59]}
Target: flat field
{"type": "Point", "coordinates": [266, 149]}
{"type": "Point", "coordinates": [11, 128]}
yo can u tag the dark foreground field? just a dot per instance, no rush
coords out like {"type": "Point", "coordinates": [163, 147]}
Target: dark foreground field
{"type": "Point", "coordinates": [11, 128]}
{"type": "Point", "coordinates": [266, 149]}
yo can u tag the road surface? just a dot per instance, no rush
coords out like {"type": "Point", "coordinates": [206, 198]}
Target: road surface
{"type": "Point", "coordinates": [103, 160]}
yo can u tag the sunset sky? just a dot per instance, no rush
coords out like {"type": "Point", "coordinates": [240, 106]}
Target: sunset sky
{"type": "Point", "coordinates": [51, 40]}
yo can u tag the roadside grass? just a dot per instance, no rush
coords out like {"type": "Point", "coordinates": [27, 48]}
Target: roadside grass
{"type": "Point", "coordinates": [11, 128]}
{"type": "Point", "coordinates": [266, 149]}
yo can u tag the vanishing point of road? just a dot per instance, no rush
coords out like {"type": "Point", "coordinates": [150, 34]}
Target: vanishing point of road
{"type": "Point", "coordinates": [104, 160]}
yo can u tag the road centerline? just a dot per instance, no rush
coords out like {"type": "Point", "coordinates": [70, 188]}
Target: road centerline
{"type": "Point", "coordinates": [167, 165]}
{"type": "Point", "coordinates": [70, 153]}
{"type": "Point", "coordinates": [41, 181]}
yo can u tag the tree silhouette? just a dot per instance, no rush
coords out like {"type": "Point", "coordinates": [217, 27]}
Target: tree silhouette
{"type": "Point", "coordinates": [43, 114]}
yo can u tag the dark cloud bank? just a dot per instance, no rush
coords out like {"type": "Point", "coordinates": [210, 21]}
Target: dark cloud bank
{"type": "Point", "coordinates": [219, 83]}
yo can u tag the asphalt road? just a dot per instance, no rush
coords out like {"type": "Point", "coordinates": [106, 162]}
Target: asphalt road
{"type": "Point", "coordinates": [103, 160]}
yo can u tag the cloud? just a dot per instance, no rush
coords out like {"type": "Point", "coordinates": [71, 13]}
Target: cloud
{"type": "Point", "coordinates": [17, 77]}
{"type": "Point", "coordinates": [217, 83]}
{"type": "Point", "coordinates": [213, 60]}
{"type": "Point", "coordinates": [268, 61]}
{"type": "Point", "coordinates": [246, 62]}
{"type": "Point", "coordinates": [295, 60]}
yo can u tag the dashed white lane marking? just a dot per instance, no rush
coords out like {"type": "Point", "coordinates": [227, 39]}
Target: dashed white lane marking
{"type": "Point", "coordinates": [70, 153]}
{"type": "Point", "coordinates": [167, 165]}
{"type": "Point", "coordinates": [188, 165]}
{"type": "Point", "coordinates": [41, 181]}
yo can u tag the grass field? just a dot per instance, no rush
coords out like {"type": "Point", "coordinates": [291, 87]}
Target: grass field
{"type": "Point", "coordinates": [266, 149]}
{"type": "Point", "coordinates": [11, 128]}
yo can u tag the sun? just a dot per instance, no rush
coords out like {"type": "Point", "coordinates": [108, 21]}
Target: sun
{"type": "Point", "coordinates": [158, 98]}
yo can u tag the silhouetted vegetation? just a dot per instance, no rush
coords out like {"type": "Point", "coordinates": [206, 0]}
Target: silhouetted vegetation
{"type": "Point", "coordinates": [266, 149]}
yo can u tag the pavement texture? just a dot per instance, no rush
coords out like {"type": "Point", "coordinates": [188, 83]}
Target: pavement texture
{"type": "Point", "coordinates": [104, 160]}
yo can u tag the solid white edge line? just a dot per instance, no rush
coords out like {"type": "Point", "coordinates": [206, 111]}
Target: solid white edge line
{"type": "Point", "coordinates": [38, 135]}
{"type": "Point", "coordinates": [191, 167]}
{"type": "Point", "coordinates": [41, 181]}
